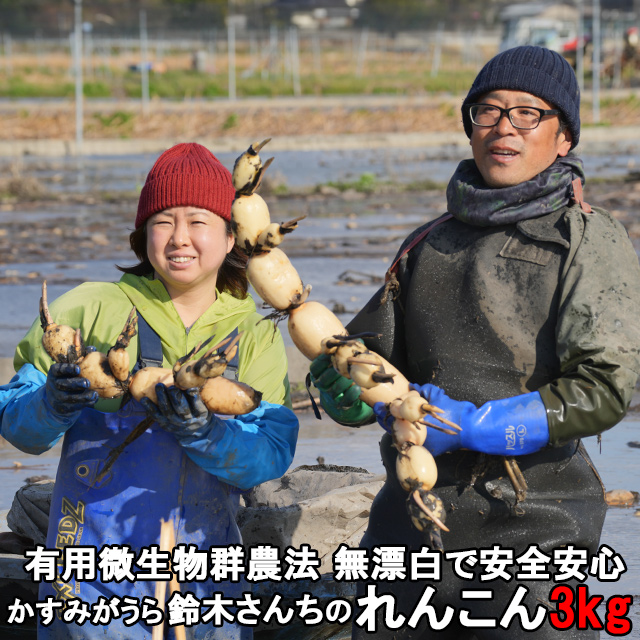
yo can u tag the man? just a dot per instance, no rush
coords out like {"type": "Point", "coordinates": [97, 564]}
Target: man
{"type": "Point", "coordinates": [517, 314]}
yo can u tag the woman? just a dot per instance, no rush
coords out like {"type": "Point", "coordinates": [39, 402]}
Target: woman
{"type": "Point", "coordinates": [190, 466]}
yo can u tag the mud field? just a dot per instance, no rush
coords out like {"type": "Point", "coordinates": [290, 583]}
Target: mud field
{"type": "Point", "coordinates": [48, 218]}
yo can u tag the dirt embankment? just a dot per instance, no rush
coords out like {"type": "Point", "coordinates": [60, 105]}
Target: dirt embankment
{"type": "Point", "coordinates": [253, 117]}
{"type": "Point", "coordinates": [202, 120]}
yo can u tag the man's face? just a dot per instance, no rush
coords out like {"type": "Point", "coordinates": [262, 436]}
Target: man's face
{"type": "Point", "coordinates": [506, 156]}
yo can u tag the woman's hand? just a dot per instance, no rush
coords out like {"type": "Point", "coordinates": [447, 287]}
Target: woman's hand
{"type": "Point", "coordinates": [66, 391]}
{"type": "Point", "coordinates": [181, 412]}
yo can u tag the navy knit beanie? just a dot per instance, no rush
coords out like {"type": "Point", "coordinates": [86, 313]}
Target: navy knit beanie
{"type": "Point", "coordinates": [541, 72]}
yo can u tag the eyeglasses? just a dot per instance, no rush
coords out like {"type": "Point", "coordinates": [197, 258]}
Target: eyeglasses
{"type": "Point", "coordinates": [488, 115]}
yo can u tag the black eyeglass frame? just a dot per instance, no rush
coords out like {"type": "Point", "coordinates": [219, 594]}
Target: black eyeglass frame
{"type": "Point", "coordinates": [542, 112]}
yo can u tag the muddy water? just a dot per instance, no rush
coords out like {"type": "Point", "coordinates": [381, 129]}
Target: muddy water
{"type": "Point", "coordinates": [308, 168]}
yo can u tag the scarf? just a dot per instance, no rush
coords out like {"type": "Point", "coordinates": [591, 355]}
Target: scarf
{"type": "Point", "coordinates": [470, 200]}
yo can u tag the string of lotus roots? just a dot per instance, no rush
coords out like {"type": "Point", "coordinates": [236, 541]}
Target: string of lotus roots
{"type": "Point", "coordinates": [110, 376]}
{"type": "Point", "coordinates": [315, 330]}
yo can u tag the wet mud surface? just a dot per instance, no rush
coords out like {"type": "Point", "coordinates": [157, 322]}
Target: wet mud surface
{"type": "Point", "coordinates": [350, 224]}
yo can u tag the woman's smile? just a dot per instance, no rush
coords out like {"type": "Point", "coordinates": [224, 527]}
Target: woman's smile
{"type": "Point", "coordinates": [186, 247]}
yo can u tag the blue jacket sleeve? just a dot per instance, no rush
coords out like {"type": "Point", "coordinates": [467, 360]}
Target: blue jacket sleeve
{"type": "Point", "coordinates": [246, 450]}
{"type": "Point", "coordinates": [25, 421]}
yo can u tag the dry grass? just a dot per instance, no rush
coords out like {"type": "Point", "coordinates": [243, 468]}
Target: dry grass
{"type": "Point", "coordinates": [199, 121]}
{"type": "Point", "coordinates": [386, 70]}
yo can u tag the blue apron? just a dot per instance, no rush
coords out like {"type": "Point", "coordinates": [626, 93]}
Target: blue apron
{"type": "Point", "coordinates": [152, 479]}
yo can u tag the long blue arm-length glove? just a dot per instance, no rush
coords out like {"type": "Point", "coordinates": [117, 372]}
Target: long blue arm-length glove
{"type": "Point", "coordinates": [510, 427]}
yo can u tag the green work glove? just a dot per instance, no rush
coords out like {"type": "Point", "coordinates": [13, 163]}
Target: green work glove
{"type": "Point", "coordinates": [339, 396]}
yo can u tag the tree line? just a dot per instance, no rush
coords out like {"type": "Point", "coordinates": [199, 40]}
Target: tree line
{"type": "Point", "coordinates": [54, 18]}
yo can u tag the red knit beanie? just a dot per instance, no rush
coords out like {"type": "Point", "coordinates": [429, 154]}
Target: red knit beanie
{"type": "Point", "coordinates": [187, 175]}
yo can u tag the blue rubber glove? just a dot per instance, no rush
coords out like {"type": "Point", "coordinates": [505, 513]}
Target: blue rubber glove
{"type": "Point", "coordinates": [66, 393]}
{"type": "Point", "coordinates": [339, 396]}
{"type": "Point", "coordinates": [509, 427]}
{"type": "Point", "coordinates": [182, 413]}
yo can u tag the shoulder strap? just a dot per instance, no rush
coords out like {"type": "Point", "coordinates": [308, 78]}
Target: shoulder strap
{"type": "Point", "coordinates": [392, 286]}
{"type": "Point", "coordinates": [425, 232]}
{"type": "Point", "coordinates": [150, 346]}
{"type": "Point", "coordinates": [151, 350]}
{"type": "Point", "coordinates": [231, 372]}
{"type": "Point", "coordinates": [578, 196]}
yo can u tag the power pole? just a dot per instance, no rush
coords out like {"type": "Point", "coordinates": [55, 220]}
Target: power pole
{"type": "Point", "coordinates": [596, 61]}
{"type": "Point", "coordinates": [144, 62]}
{"type": "Point", "coordinates": [77, 50]}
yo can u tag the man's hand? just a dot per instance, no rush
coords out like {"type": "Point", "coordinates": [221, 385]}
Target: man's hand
{"type": "Point", "coordinates": [339, 396]}
{"type": "Point", "coordinates": [66, 392]}
{"type": "Point", "coordinates": [509, 427]}
{"type": "Point", "coordinates": [437, 442]}
{"type": "Point", "coordinates": [180, 412]}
